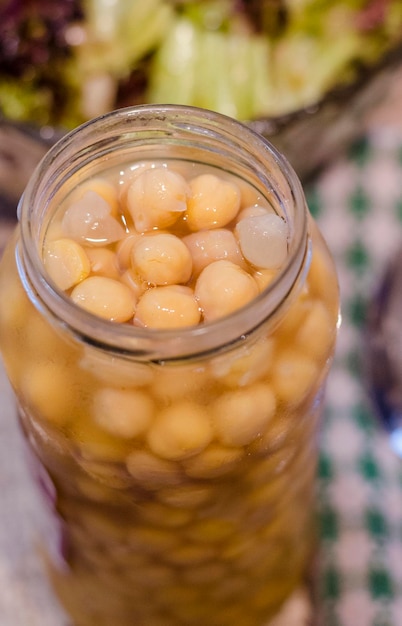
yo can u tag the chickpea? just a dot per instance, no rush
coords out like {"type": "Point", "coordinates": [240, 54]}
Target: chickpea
{"type": "Point", "coordinates": [214, 461]}
{"type": "Point", "coordinates": [66, 263]}
{"type": "Point", "coordinates": [105, 297]}
{"type": "Point", "coordinates": [108, 474]}
{"type": "Point", "coordinates": [15, 314]}
{"type": "Point", "coordinates": [180, 431]}
{"type": "Point", "coordinates": [170, 306]}
{"type": "Point", "coordinates": [320, 276]}
{"type": "Point", "coordinates": [253, 211]}
{"type": "Point", "coordinates": [98, 449]}
{"type": "Point", "coordinates": [263, 240]}
{"type": "Point", "coordinates": [317, 332]}
{"type": "Point", "coordinates": [241, 415]}
{"type": "Point", "coordinates": [48, 389]}
{"type": "Point", "coordinates": [102, 188]}
{"type": "Point", "coordinates": [222, 287]}
{"type": "Point", "coordinates": [293, 376]}
{"type": "Point", "coordinates": [264, 277]}
{"type": "Point", "coordinates": [134, 283]}
{"type": "Point", "coordinates": [207, 246]}
{"type": "Point", "coordinates": [172, 383]}
{"type": "Point", "coordinates": [187, 497]}
{"type": "Point", "coordinates": [127, 177]}
{"type": "Point", "coordinates": [89, 220]}
{"type": "Point", "coordinates": [123, 413]}
{"type": "Point", "coordinates": [123, 250]}
{"type": "Point", "coordinates": [114, 371]}
{"type": "Point", "coordinates": [103, 262]}
{"type": "Point", "coordinates": [150, 471]}
{"type": "Point", "coordinates": [159, 514]}
{"type": "Point", "coordinates": [213, 202]}
{"type": "Point", "coordinates": [54, 230]}
{"type": "Point", "coordinates": [156, 198]}
{"type": "Point", "coordinates": [245, 366]}
{"type": "Point", "coordinates": [161, 259]}
{"type": "Point", "coordinates": [294, 319]}
{"type": "Point", "coordinates": [43, 342]}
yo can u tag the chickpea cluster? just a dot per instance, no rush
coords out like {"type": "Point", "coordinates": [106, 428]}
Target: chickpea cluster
{"type": "Point", "coordinates": [162, 250]}
{"type": "Point", "coordinates": [185, 482]}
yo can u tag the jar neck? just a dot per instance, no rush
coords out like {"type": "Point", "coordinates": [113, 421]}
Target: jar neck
{"type": "Point", "coordinates": [168, 132]}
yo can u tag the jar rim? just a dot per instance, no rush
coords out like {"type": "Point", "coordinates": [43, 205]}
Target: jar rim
{"type": "Point", "coordinates": [145, 343]}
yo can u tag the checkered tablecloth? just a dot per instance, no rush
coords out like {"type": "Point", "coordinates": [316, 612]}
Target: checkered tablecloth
{"type": "Point", "coordinates": [358, 205]}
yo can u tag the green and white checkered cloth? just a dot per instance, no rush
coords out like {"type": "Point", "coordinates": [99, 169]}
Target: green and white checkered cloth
{"type": "Point", "coordinates": [357, 203]}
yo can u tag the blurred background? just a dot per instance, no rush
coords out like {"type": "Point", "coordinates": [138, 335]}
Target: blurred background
{"type": "Point", "coordinates": [302, 72]}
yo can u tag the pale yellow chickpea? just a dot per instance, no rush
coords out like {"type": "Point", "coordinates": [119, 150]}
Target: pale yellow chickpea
{"type": "Point", "coordinates": [115, 371]}
{"type": "Point", "coordinates": [159, 514]}
{"type": "Point", "coordinates": [47, 388]}
{"type": "Point", "coordinates": [294, 376]}
{"type": "Point", "coordinates": [105, 474]}
{"type": "Point", "coordinates": [43, 342]}
{"type": "Point", "coordinates": [152, 472]}
{"type": "Point", "coordinates": [246, 365]}
{"type": "Point", "coordinates": [222, 288]}
{"type": "Point", "coordinates": [207, 246]}
{"type": "Point", "coordinates": [156, 198]}
{"type": "Point", "coordinates": [321, 271]}
{"type": "Point", "coordinates": [105, 297]}
{"type": "Point", "coordinates": [161, 259]}
{"type": "Point", "coordinates": [104, 188]}
{"type": "Point", "coordinates": [14, 315]}
{"type": "Point", "coordinates": [123, 250]}
{"type": "Point", "coordinates": [213, 202]}
{"type": "Point", "coordinates": [97, 445]}
{"type": "Point", "coordinates": [263, 240]}
{"type": "Point", "coordinates": [66, 263]}
{"type": "Point", "coordinates": [242, 415]}
{"type": "Point", "coordinates": [294, 319]}
{"type": "Point", "coordinates": [187, 497]}
{"type": "Point", "coordinates": [128, 175]}
{"type": "Point", "coordinates": [134, 283]}
{"type": "Point", "coordinates": [174, 382]}
{"type": "Point", "coordinates": [253, 210]}
{"type": "Point", "coordinates": [54, 230]}
{"type": "Point", "coordinates": [124, 413]}
{"type": "Point", "coordinates": [214, 461]}
{"type": "Point", "coordinates": [180, 431]}
{"type": "Point", "coordinates": [89, 221]}
{"type": "Point", "coordinates": [103, 262]}
{"type": "Point", "coordinates": [317, 333]}
{"type": "Point", "coordinates": [170, 306]}
{"type": "Point", "coordinates": [264, 278]}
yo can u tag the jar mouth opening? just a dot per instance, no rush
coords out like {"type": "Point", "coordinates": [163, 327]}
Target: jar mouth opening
{"type": "Point", "coordinates": [154, 127]}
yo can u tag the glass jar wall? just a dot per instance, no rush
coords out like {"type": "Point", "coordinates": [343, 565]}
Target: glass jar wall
{"type": "Point", "coordinates": [178, 464]}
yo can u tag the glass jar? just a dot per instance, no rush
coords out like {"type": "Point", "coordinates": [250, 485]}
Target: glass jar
{"type": "Point", "coordinates": [177, 520]}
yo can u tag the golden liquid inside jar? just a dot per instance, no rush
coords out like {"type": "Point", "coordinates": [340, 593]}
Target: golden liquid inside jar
{"type": "Point", "coordinates": [180, 462]}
